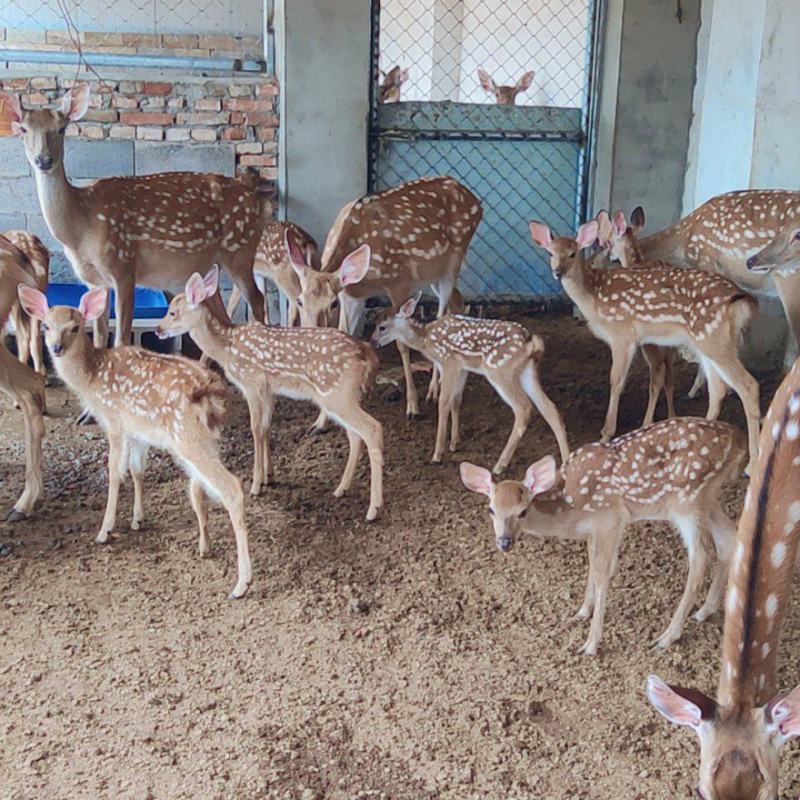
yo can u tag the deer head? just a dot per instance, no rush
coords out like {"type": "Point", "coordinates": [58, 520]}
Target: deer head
{"type": "Point", "coordinates": [43, 130]}
{"type": "Point", "coordinates": [63, 326]}
{"type": "Point", "coordinates": [391, 325]}
{"type": "Point", "coordinates": [509, 501]}
{"type": "Point", "coordinates": [505, 95]}
{"type": "Point", "coordinates": [782, 254]}
{"type": "Point", "coordinates": [392, 83]}
{"type": "Point", "coordinates": [184, 312]}
{"type": "Point", "coordinates": [565, 252]}
{"type": "Point", "coordinates": [319, 291]}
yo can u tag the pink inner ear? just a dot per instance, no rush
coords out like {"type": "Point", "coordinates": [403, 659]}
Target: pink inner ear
{"type": "Point", "coordinates": [33, 302]}
{"type": "Point", "coordinates": [786, 713]}
{"type": "Point", "coordinates": [296, 256]}
{"type": "Point", "coordinates": [211, 281]}
{"type": "Point", "coordinates": [475, 478]}
{"type": "Point", "coordinates": [668, 702]}
{"type": "Point", "coordinates": [620, 223]}
{"type": "Point", "coordinates": [540, 233]}
{"type": "Point", "coordinates": [486, 80]}
{"type": "Point", "coordinates": [541, 476]}
{"type": "Point", "coordinates": [355, 266]}
{"type": "Point", "coordinates": [11, 108]}
{"type": "Point", "coordinates": [409, 307]}
{"type": "Point", "coordinates": [93, 304]}
{"type": "Point", "coordinates": [195, 290]}
{"type": "Point", "coordinates": [525, 81]}
{"type": "Point", "coordinates": [587, 234]}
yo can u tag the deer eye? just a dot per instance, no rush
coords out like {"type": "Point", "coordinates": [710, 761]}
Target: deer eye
{"type": "Point", "coordinates": [45, 327]}
{"type": "Point", "coordinates": [491, 510]}
{"type": "Point", "coordinates": [75, 328]}
{"type": "Point", "coordinates": [573, 254]}
{"type": "Point", "coordinates": [23, 129]}
{"type": "Point", "coordinates": [63, 129]}
{"type": "Point", "coordinates": [523, 513]}
{"type": "Point", "coordinates": [797, 236]}
{"type": "Point", "coordinates": [335, 304]}
{"type": "Point", "coordinates": [299, 303]}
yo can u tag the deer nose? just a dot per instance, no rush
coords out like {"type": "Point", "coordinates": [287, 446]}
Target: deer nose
{"type": "Point", "coordinates": [504, 543]}
{"type": "Point", "coordinates": [43, 162]}
{"type": "Point", "coordinates": [58, 349]}
{"type": "Point", "coordinates": [752, 262]}
{"type": "Point", "coordinates": [557, 273]}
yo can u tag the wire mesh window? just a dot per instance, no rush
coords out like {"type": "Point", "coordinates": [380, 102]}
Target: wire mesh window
{"type": "Point", "coordinates": [497, 94]}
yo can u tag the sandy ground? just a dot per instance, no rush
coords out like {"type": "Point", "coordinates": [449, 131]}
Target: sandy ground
{"type": "Point", "coordinates": [404, 659]}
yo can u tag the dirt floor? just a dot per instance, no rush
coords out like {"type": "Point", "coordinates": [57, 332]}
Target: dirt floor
{"type": "Point", "coordinates": [403, 659]}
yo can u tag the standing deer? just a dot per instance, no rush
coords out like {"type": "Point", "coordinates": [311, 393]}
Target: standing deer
{"type": "Point", "coordinates": [661, 305]}
{"type": "Point", "coordinates": [743, 731]}
{"type": "Point", "coordinates": [326, 366]}
{"type": "Point", "coordinates": [672, 471]}
{"type": "Point", "coordinates": [149, 230]}
{"type": "Point", "coordinates": [142, 400]}
{"type": "Point", "coordinates": [36, 262]}
{"type": "Point", "coordinates": [20, 383]}
{"type": "Point", "coordinates": [392, 84]}
{"type": "Point", "coordinates": [390, 244]}
{"type": "Point", "coordinates": [505, 95]}
{"type": "Point", "coordinates": [723, 233]}
{"type": "Point", "coordinates": [272, 261]}
{"type": "Point", "coordinates": [505, 353]}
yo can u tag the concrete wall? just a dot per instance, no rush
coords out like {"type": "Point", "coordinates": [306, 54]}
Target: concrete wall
{"type": "Point", "coordinates": [323, 56]}
{"type": "Point", "coordinates": [656, 76]}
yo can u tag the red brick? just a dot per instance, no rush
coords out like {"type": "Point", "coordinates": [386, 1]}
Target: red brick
{"type": "Point", "coordinates": [269, 120]}
{"type": "Point", "coordinates": [142, 118]}
{"type": "Point", "coordinates": [16, 84]}
{"type": "Point", "coordinates": [35, 99]}
{"type": "Point", "coordinates": [237, 118]}
{"type": "Point", "coordinates": [269, 173]}
{"type": "Point", "coordinates": [101, 115]}
{"type": "Point", "coordinates": [256, 161]}
{"type": "Point", "coordinates": [265, 134]}
{"type": "Point", "coordinates": [157, 88]}
{"type": "Point", "coordinates": [208, 104]}
{"type": "Point", "coordinates": [244, 104]}
{"type": "Point", "coordinates": [267, 89]}
{"type": "Point", "coordinates": [234, 134]}
{"type": "Point", "coordinates": [125, 102]}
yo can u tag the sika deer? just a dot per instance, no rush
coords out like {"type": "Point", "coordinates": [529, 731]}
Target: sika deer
{"type": "Point", "coordinates": [742, 732]}
{"type": "Point", "coordinates": [142, 400]}
{"type": "Point", "coordinates": [326, 366]}
{"type": "Point", "coordinates": [272, 261]}
{"type": "Point", "coordinates": [505, 95]}
{"type": "Point", "coordinates": [391, 243]}
{"type": "Point", "coordinates": [672, 471]}
{"type": "Point", "coordinates": [657, 304]}
{"type": "Point", "coordinates": [24, 386]}
{"type": "Point", "coordinates": [392, 84]}
{"type": "Point", "coordinates": [149, 230]}
{"type": "Point", "coordinates": [505, 353]}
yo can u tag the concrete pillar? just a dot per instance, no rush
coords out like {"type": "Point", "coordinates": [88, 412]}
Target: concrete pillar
{"type": "Point", "coordinates": [448, 31]}
{"type": "Point", "coordinates": [323, 64]}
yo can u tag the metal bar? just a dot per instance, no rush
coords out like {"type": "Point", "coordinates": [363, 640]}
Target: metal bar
{"type": "Point", "coordinates": [591, 104]}
{"type": "Point", "coordinates": [495, 136]}
{"type": "Point", "coordinates": [137, 61]}
{"type": "Point", "coordinates": [373, 142]}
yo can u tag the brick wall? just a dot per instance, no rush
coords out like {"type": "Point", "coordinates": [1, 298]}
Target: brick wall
{"type": "Point", "coordinates": [137, 127]}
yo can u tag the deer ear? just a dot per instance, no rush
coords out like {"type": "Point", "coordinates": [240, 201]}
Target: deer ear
{"type": "Point", "coordinates": [406, 311]}
{"type": "Point", "coordinates": [33, 302]}
{"type": "Point", "coordinates": [403, 77]}
{"type": "Point", "coordinates": [296, 257]}
{"type": "Point", "coordinates": [587, 234]}
{"type": "Point", "coordinates": [637, 218]}
{"type": "Point", "coordinates": [784, 711]}
{"type": "Point", "coordinates": [604, 228]}
{"type": "Point", "coordinates": [525, 81]}
{"type": "Point", "coordinates": [195, 290]}
{"type": "Point", "coordinates": [540, 233]}
{"type": "Point", "coordinates": [75, 102]}
{"type": "Point", "coordinates": [93, 304]}
{"type": "Point", "coordinates": [11, 110]}
{"type": "Point", "coordinates": [486, 80]}
{"type": "Point", "coordinates": [620, 224]}
{"type": "Point", "coordinates": [475, 478]}
{"type": "Point", "coordinates": [211, 281]}
{"type": "Point", "coordinates": [355, 265]}
{"type": "Point", "coordinates": [680, 706]}
{"type": "Point", "coordinates": [541, 476]}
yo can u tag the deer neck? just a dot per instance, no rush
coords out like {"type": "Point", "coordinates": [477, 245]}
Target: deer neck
{"type": "Point", "coordinates": [552, 516]}
{"type": "Point", "coordinates": [212, 335]}
{"type": "Point", "coordinates": [61, 205]}
{"type": "Point", "coordinates": [631, 255]}
{"type": "Point", "coordinates": [78, 367]}
{"type": "Point", "coordinates": [579, 284]}
{"type": "Point", "coordinates": [416, 337]}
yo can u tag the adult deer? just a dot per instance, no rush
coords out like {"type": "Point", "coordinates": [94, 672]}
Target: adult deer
{"type": "Point", "coordinates": [672, 471]}
{"type": "Point", "coordinates": [392, 84]}
{"type": "Point", "coordinates": [36, 262]}
{"type": "Point", "coordinates": [505, 353]}
{"type": "Point", "coordinates": [723, 233]}
{"type": "Point", "coordinates": [391, 243]}
{"type": "Point", "coordinates": [505, 95]}
{"type": "Point", "coordinates": [150, 230]}
{"type": "Point", "coordinates": [272, 261]}
{"type": "Point", "coordinates": [19, 382]}
{"type": "Point", "coordinates": [144, 399]}
{"type": "Point", "coordinates": [326, 366]}
{"type": "Point", "coordinates": [657, 304]}
{"type": "Point", "coordinates": [742, 732]}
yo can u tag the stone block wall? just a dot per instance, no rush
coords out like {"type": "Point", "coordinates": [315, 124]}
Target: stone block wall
{"type": "Point", "coordinates": [137, 127]}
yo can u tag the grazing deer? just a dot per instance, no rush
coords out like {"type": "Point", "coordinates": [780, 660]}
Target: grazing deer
{"type": "Point", "coordinates": [36, 262]}
{"type": "Point", "coordinates": [505, 353]}
{"type": "Point", "coordinates": [142, 400]}
{"type": "Point", "coordinates": [390, 244]}
{"type": "Point", "coordinates": [657, 304]}
{"type": "Point", "coordinates": [149, 230]}
{"type": "Point", "coordinates": [723, 233]}
{"type": "Point", "coordinates": [326, 366]}
{"type": "Point", "coordinates": [272, 261]}
{"type": "Point", "coordinates": [393, 81]}
{"type": "Point", "coordinates": [742, 732]}
{"type": "Point", "coordinates": [672, 471]}
{"type": "Point", "coordinates": [505, 95]}
{"type": "Point", "coordinates": [20, 383]}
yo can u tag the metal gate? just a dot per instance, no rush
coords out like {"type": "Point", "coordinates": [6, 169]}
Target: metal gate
{"type": "Point", "coordinates": [443, 73]}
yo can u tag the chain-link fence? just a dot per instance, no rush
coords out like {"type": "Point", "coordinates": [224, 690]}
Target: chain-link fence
{"type": "Point", "coordinates": [497, 94]}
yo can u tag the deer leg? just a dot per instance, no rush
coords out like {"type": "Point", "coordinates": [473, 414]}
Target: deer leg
{"type": "Point", "coordinates": [412, 401]}
{"type": "Point", "coordinates": [444, 288]}
{"type": "Point", "coordinates": [621, 357]}
{"type": "Point", "coordinates": [723, 533]}
{"type": "Point", "coordinates": [233, 301]}
{"type": "Point", "coordinates": [585, 611]}
{"type": "Point", "coordinates": [123, 306]}
{"type": "Point", "coordinates": [137, 461]}
{"type": "Point", "coordinates": [433, 386]}
{"type": "Point", "coordinates": [36, 348]}
{"type": "Point", "coordinates": [717, 389]}
{"type": "Point", "coordinates": [509, 387]}
{"type": "Point", "coordinates": [197, 497]}
{"type": "Point", "coordinates": [669, 381]}
{"type": "Point", "coordinates": [267, 408]}
{"type": "Point", "coordinates": [451, 374]}
{"type": "Point", "coordinates": [603, 566]}
{"type": "Point", "coordinates": [246, 282]}
{"type": "Point", "coordinates": [695, 550]}
{"type": "Point", "coordinates": [545, 406]}
{"type": "Point", "coordinates": [100, 327]}
{"type": "Point", "coordinates": [654, 356]}
{"type": "Point", "coordinates": [699, 383]}
{"type": "Point", "coordinates": [257, 432]}
{"type": "Point", "coordinates": [116, 466]}
{"type": "Point", "coordinates": [788, 287]}
{"type": "Point", "coordinates": [455, 415]}
{"type": "Point", "coordinates": [351, 313]}
{"type": "Point", "coordinates": [353, 457]}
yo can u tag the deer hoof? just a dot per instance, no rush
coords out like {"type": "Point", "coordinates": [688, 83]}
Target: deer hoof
{"type": "Point", "coordinates": [15, 515]}
{"type": "Point", "coordinates": [374, 513]}
{"type": "Point", "coordinates": [589, 649]}
{"type": "Point", "coordinates": [101, 538]}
